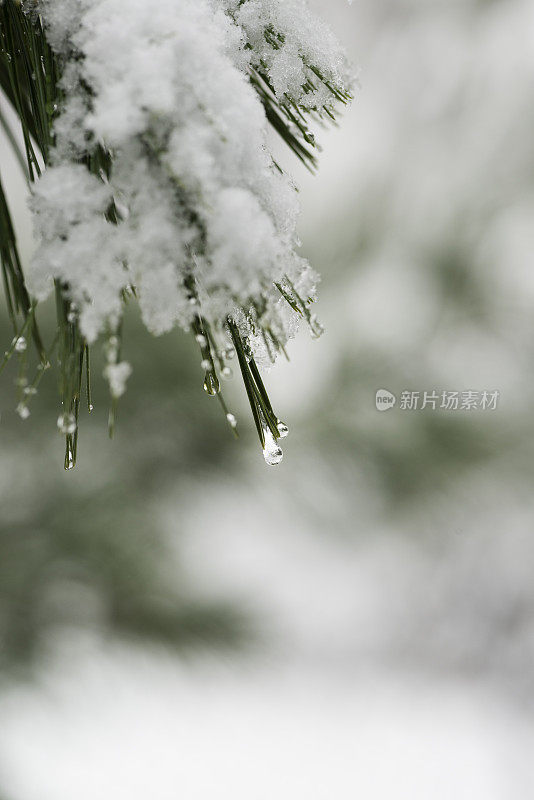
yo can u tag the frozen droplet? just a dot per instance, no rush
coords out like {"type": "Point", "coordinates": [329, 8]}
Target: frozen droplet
{"type": "Point", "coordinates": [205, 364]}
{"type": "Point", "coordinates": [91, 407]}
{"type": "Point", "coordinates": [316, 328]}
{"type": "Point", "coordinates": [211, 384]}
{"type": "Point", "coordinates": [66, 423]}
{"type": "Point", "coordinates": [20, 344]}
{"type": "Point", "coordinates": [231, 420]}
{"type": "Point", "coordinates": [30, 391]}
{"type": "Point", "coordinates": [283, 430]}
{"type": "Point", "coordinates": [71, 317]}
{"type": "Point", "coordinates": [272, 452]}
{"type": "Point", "coordinates": [201, 339]}
{"type": "Point", "coordinates": [23, 411]}
{"type": "Point", "coordinates": [227, 373]}
{"type": "Point", "coordinates": [193, 301]}
{"type": "Point", "coordinates": [229, 353]}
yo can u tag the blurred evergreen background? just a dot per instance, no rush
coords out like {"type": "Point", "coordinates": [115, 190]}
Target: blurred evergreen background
{"type": "Point", "coordinates": [178, 619]}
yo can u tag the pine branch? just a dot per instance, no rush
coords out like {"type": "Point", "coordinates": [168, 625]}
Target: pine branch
{"type": "Point", "coordinates": [30, 80]}
{"type": "Point", "coordinates": [29, 74]}
{"type": "Point", "coordinates": [17, 298]}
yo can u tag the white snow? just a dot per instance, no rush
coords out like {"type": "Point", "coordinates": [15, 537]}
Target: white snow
{"type": "Point", "coordinates": [165, 89]}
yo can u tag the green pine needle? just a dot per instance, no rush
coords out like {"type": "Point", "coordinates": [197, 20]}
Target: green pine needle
{"type": "Point", "coordinates": [29, 79]}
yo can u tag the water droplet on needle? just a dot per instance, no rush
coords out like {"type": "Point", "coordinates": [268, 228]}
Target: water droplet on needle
{"type": "Point", "coordinates": [272, 452]}
{"type": "Point", "coordinates": [283, 430]}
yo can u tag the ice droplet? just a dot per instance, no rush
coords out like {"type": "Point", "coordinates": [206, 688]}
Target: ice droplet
{"type": "Point", "coordinates": [20, 344]}
{"type": "Point", "coordinates": [316, 328]}
{"type": "Point", "coordinates": [283, 430]}
{"type": "Point", "coordinates": [227, 373]}
{"type": "Point", "coordinates": [201, 339]}
{"type": "Point", "coordinates": [66, 423]}
{"type": "Point", "coordinates": [205, 364]}
{"type": "Point", "coordinates": [273, 455]}
{"type": "Point", "coordinates": [272, 452]}
{"type": "Point", "coordinates": [211, 384]}
{"type": "Point", "coordinates": [23, 411]}
{"type": "Point", "coordinates": [231, 420]}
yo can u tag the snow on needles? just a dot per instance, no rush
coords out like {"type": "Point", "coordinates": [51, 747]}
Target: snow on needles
{"type": "Point", "coordinates": [193, 212]}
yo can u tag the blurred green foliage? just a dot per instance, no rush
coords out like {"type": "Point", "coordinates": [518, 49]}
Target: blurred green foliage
{"type": "Point", "coordinates": [79, 551]}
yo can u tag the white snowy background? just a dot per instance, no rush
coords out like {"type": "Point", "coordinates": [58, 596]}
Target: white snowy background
{"type": "Point", "coordinates": [387, 564]}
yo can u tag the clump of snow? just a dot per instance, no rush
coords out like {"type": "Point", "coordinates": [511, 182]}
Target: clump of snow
{"type": "Point", "coordinates": [117, 375]}
{"type": "Point", "coordinates": [193, 213]}
{"type": "Point", "coordinates": [297, 46]}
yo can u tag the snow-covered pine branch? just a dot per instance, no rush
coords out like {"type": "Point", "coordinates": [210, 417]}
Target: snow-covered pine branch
{"type": "Point", "coordinates": [159, 181]}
